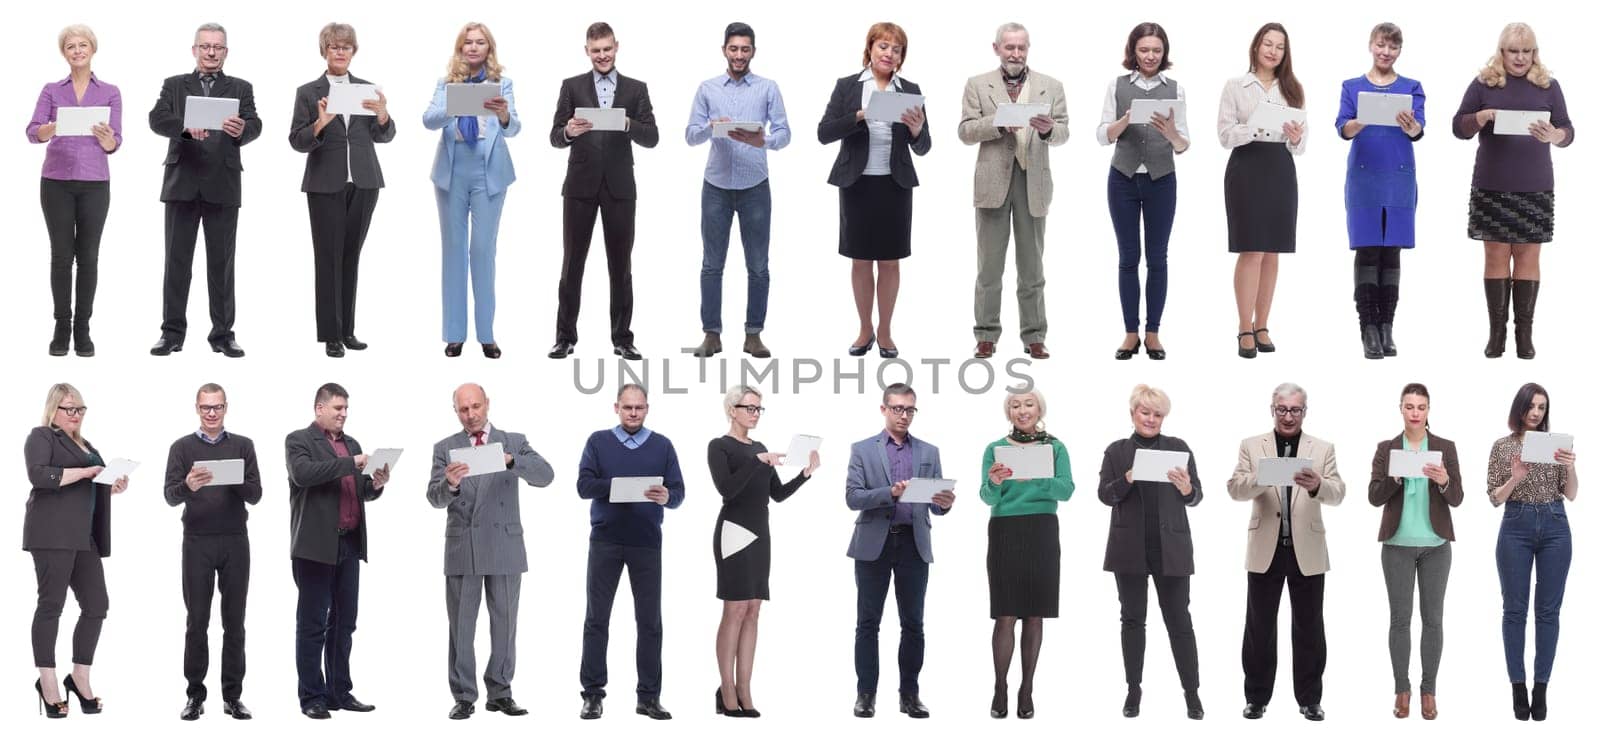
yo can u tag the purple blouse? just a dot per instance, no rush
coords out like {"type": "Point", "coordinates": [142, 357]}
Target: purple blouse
{"type": "Point", "coordinates": [76, 158]}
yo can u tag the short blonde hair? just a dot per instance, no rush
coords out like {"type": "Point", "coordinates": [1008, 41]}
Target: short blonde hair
{"type": "Point", "coordinates": [1493, 73]}
{"type": "Point", "coordinates": [1149, 397]}
{"type": "Point", "coordinates": [77, 30]}
{"type": "Point", "coordinates": [58, 392]}
{"type": "Point", "coordinates": [1037, 396]}
{"type": "Point", "coordinates": [334, 33]}
{"type": "Point", "coordinates": [735, 394]}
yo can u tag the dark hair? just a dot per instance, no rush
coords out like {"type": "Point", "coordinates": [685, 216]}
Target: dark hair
{"type": "Point", "coordinates": [1293, 94]}
{"type": "Point", "coordinates": [1523, 402]}
{"type": "Point", "coordinates": [1414, 388]}
{"type": "Point", "coordinates": [599, 30]}
{"type": "Point", "coordinates": [211, 387]}
{"type": "Point", "coordinates": [1387, 31]}
{"type": "Point", "coordinates": [329, 391]}
{"type": "Point", "coordinates": [898, 388]}
{"type": "Point", "coordinates": [738, 28]}
{"type": "Point", "coordinates": [632, 386]}
{"type": "Point", "coordinates": [1140, 31]}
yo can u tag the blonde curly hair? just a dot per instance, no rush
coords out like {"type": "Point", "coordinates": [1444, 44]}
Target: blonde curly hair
{"type": "Point", "coordinates": [1493, 73]}
{"type": "Point", "coordinates": [457, 70]}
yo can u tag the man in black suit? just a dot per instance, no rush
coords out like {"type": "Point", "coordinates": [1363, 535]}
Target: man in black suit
{"type": "Point", "coordinates": [201, 184]}
{"type": "Point", "coordinates": [341, 184]}
{"type": "Point", "coordinates": [328, 541]}
{"type": "Point", "coordinates": [599, 179]}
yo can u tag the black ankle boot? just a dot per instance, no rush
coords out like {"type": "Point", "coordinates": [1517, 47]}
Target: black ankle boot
{"type": "Point", "coordinates": [1524, 295]}
{"type": "Point", "coordinates": [1130, 704]}
{"type": "Point", "coordinates": [1371, 342]}
{"type": "Point", "coordinates": [1519, 700]}
{"type": "Point", "coordinates": [58, 342]}
{"type": "Point", "coordinates": [1538, 709]}
{"type": "Point", "coordinates": [81, 343]}
{"type": "Point", "coordinates": [1386, 339]}
{"type": "Point", "coordinates": [1497, 295]}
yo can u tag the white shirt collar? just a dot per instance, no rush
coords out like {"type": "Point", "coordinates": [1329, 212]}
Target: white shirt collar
{"type": "Point", "coordinates": [1251, 79]}
{"type": "Point", "coordinates": [338, 79]}
{"type": "Point", "coordinates": [866, 74]}
{"type": "Point", "coordinates": [1160, 78]}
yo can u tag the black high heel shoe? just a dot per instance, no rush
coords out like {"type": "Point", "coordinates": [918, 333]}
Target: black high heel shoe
{"type": "Point", "coordinates": [1123, 354]}
{"type": "Point", "coordinates": [722, 709]}
{"type": "Point", "coordinates": [54, 711]}
{"type": "Point", "coordinates": [1247, 353]}
{"type": "Point", "coordinates": [83, 704]}
{"type": "Point", "coordinates": [1263, 347]}
{"type": "Point", "coordinates": [1024, 703]}
{"type": "Point", "coordinates": [997, 706]}
{"type": "Point", "coordinates": [862, 350]}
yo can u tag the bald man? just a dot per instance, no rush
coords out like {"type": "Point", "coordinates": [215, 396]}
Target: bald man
{"type": "Point", "coordinates": [483, 550]}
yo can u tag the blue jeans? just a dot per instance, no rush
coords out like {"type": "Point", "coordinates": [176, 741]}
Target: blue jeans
{"type": "Point", "coordinates": [717, 207]}
{"type": "Point", "coordinates": [1532, 537]}
{"type": "Point", "coordinates": [1157, 200]}
{"type": "Point", "coordinates": [901, 561]}
{"type": "Point", "coordinates": [468, 252]}
{"type": "Point", "coordinates": [325, 623]}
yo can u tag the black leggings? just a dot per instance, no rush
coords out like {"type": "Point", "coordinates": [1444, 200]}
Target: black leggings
{"type": "Point", "coordinates": [74, 215]}
{"type": "Point", "coordinates": [1377, 281]}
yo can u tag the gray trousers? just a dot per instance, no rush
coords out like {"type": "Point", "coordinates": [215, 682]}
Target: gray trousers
{"type": "Point", "coordinates": [1427, 569]}
{"type": "Point", "coordinates": [995, 228]}
{"type": "Point", "coordinates": [463, 593]}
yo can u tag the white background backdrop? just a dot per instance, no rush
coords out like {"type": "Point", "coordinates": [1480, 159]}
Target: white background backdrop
{"type": "Point", "coordinates": [401, 387]}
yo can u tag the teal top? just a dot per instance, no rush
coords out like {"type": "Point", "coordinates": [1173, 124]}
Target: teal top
{"type": "Point", "coordinates": [1415, 530]}
{"type": "Point", "coordinates": [1026, 497]}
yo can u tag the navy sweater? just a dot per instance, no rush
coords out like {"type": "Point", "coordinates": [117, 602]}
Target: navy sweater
{"type": "Point", "coordinates": [630, 524]}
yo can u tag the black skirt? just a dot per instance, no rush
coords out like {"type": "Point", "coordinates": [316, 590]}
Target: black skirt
{"type": "Point", "coordinates": [875, 219]}
{"type": "Point", "coordinates": [1025, 566]}
{"type": "Point", "coordinates": [1506, 217]}
{"type": "Point", "coordinates": [1263, 198]}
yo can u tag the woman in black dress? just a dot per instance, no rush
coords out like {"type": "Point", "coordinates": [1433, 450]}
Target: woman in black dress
{"type": "Point", "coordinates": [743, 472]}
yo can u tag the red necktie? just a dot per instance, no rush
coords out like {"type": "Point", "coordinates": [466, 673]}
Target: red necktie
{"type": "Point", "coordinates": [477, 439]}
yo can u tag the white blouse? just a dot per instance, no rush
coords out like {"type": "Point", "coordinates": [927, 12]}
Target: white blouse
{"type": "Point", "coordinates": [1240, 96]}
{"type": "Point", "coordinates": [880, 134]}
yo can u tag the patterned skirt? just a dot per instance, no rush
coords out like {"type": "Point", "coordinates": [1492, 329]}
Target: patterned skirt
{"type": "Point", "coordinates": [1507, 217]}
{"type": "Point", "coordinates": [1024, 566]}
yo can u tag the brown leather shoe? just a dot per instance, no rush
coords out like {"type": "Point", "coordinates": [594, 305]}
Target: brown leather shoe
{"type": "Point", "coordinates": [1038, 351]}
{"type": "Point", "coordinates": [1430, 707]}
{"type": "Point", "coordinates": [1402, 705]}
{"type": "Point", "coordinates": [754, 346]}
{"type": "Point", "coordinates": [711, 346]}
{"type": "Point", "coordinates": [984, 350]}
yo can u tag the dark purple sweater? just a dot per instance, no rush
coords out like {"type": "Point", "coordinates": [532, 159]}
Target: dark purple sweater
{"type": "Point", "coordinates": [1507, 162]}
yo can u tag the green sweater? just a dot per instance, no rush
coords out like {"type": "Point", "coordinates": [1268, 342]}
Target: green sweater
{"type": "Point", "coordinates": [1026, 497]}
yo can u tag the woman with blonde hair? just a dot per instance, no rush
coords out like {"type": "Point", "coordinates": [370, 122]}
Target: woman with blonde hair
{"type": "Point", "coordinates": [471, 172]}
{"type": "Point", "coordinates": [1511, 207]}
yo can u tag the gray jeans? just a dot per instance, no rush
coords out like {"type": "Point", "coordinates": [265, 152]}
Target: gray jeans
{"type": "Point", "coordinates": [1428, 569]}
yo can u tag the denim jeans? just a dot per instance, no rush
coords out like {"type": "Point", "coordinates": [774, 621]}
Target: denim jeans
{"type": "Point", "coordinates": [717, 208]}
{"type": "Point", "coordinates": [1157, 201]}
{"type": "Point", "coordinates": [325, 623]}
{"type": "Point", "coordinates": [901, 561]}
{"type": "Point", "coordinates": [1533, 536]}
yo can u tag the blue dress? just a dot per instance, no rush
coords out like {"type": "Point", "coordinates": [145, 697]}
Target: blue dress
{"type": "Point", "coordinates": [1380, 185]}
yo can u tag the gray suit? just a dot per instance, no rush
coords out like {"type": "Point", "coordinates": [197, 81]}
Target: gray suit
{"type": "Point", "coordinates": [866, 490]}
{"type": "Point", "coordinates": [484, 553]}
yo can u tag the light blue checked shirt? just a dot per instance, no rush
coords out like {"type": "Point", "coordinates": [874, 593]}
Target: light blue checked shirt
{"type": "Point", "coordinates": [734, 165]}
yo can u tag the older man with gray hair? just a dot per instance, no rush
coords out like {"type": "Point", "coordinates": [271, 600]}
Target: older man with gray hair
{"type": "Point", "coordinates": [1012, 186]}
{"type": "Point", "coordinates": [1288, 476]}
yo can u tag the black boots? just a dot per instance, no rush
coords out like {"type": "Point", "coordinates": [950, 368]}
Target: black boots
{"type": "Point", "coordinates": [1497, 295]}
{"type": "Point", "coordinates": [1388, 299]}
{"type": "Point", "coordinates": [1367, 310]}
{"type": "Point", "coordinates": [1537, 709]}
{"type": "Point", "coordinates": [1524, 295]}
{"type": "Point", "coordinates": [63, 334]}
{"type": "Point", "coordinates": [81, 344]}
{"type": "Point", "coordinates": [1371, 342]}
{"type": "Point", "coordinates": [1519, 700]}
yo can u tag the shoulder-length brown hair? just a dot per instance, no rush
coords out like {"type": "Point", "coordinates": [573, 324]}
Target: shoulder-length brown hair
{"type": "Point", "coordinates": [457, 71]}
{"type": "Point", "coordinates": [885, 30]}
{"type": "Point", "coordinates": [1293, 94]}
{"type": "Point", "coordinates": [1129, 62]}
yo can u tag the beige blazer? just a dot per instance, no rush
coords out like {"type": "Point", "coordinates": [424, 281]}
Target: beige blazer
{"type": "Point", "coordinates": [997, 150]}
{"type": "Point", "coordinates": [1305, 510]}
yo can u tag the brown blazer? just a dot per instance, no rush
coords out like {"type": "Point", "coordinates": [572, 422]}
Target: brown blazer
{"type": "Point", "coordinates": [1385, 491]}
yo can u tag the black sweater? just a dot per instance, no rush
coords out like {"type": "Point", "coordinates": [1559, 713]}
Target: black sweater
{"type": "Point", "coordinates": [214, 509]}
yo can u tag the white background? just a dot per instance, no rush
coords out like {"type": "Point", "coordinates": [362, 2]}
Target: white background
{"type": "Point", "coordinates": [401, 387]}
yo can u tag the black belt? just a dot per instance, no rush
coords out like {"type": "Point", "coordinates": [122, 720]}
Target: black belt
{"type": "Point", "coordinates": [900, 529]}
{"type": "Point", "coordinates": [347, 532]}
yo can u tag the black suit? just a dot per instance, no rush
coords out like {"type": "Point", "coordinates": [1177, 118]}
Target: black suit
{"type": "Point", "coordinates": [341, 184]}
{"type": "Point", "coordinates": [200, 185]}
{"type": "Point", "coordinates": [600, 180]}
{"type": "Point", "coordinates": [839, 122]}
{"type": "Point", "coordinates": [67, 529]}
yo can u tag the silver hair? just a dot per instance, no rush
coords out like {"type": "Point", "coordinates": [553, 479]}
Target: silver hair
{"type": "Point", "coordinates": [1006, 28]}
{"type": "Point", "coordinates": [1289, 389]}
{"type": "Point", "coordinates": [1037, 396]}
{"type": "Point", "coordinates": [217, 27]}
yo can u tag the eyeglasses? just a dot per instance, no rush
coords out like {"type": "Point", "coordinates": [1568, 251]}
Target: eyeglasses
{"type": "Point", "coordinates": [752, 409]}
{"type": "Point", "coordinates": [342, 48]}
{"type": "Point", "coordinates": [1283, 412]}
{"type": "Point", "coordinates": [211, 408]}
{"type": "Point", "coordinates": [73, 412]}
{"type": "Point", "coordinates": [905, 410]}
{"type": "Point", "coordinates": [208, 48]}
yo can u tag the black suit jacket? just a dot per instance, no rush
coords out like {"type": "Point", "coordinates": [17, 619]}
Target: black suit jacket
{"type": "Point", "coordinates": [599, 159]}
{"type": "Point", "coordinates": [203, 170]}
{"type": "Point", "coordinates": [839, 122]}
{"type": "Point", "coordinates": [314, 474]}
{"type": "Point", "coordinates": [1125, 551]}
{"type": "Point", "coordinates": [326, 153]}
{"type": "Point", "coordinates": [58, 518]}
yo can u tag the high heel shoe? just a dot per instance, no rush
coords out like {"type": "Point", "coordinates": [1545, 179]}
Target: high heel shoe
{"type": "Point", "coordinates": [83, 704]}
{"type": "Point", "coordinates": [1538, 709]}
{"type": "Point", "coordinates": [722, 709]}
{"type": "Point", "coordinates": [1247, 353]}
{"type": "Point", "coordinates": [1402, 705]}
{"type": "Point", "coordinates": [997, 706]}
{"type": "Point", "coordinates": [1263, 347]}
{"type": "Point", "coordinates": [52, 710]}
{"type": "Point", "coordinates": [863, 349]}
{"type": "Point", "coordinates": [1430, 706]}
{"type": "Point", "coordinates": [1519, 701]}
{"type": "Point", "coordinates": [1024, 703]}
{"type": "Point", "coordinates": [1191, 699]}
{"type": "Point", "coordinates": [1155, 354]}
{"type": "Point", "coordinates": [1123, 354]}
{"type": "Point", "coordinates": [1130, 704]}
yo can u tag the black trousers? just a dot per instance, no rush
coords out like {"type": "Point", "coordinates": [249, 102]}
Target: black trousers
{"type": "Point", "coordinates": [577, 230]}
{"type": "Point", "coordinates": [56, 571]}
{"type": "Point", "coordinates": [183, 222]}
{"type": "Point", "coordinates": [325, 623]}
{"type": "Point", "coordinates": [339, 223]}
{"type": "Point", "coordinates": [211, 562]}
{"type": "Point", "coordinates": [1172, 592]}
{"type": "Point", "coordinates": [75, 216]}
{"type": "Point", "coordinates": [1306, 630]}
{"type": "Point", "coordinates": [606, 562]}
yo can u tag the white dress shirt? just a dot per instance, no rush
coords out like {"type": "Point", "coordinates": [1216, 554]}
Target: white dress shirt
{"type": "Point", "coordinates": [1108, 112]}
{"type": "Point", "coordinates": [1240, 96]}
{"type": "Point", "coordinates": [880, 134]}
{"type": "Point", "coordinates": [343, 80]}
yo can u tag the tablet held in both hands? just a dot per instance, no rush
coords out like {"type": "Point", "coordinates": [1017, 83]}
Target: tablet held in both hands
{"type": "Point", "coordinates": [346, 99]}
{"type": "Point", "coordinates": [1152, 465]}
{"type": "Point", "coordinates": [1381, 109]}
{"type": "Point", "coordinates": [1540, 447]}
{"type": "Point", "coordinates": [922, 489]}
{"type": "Point", "coordinates": [1279, 472]}
{"type": "Point", "coordinates": [631, 489]}
{"type": "Point", "coordinates": [200, 112]}
{"type": "Point", "coordinates": [800, 448]}
{"type": "Point", "coordinates": [1015, 114]}
{"type": "Point", "coordinates": [1140, 111]}
{"type": "Point", "coordinates": [1408, 463]}
{"type": "Point", "coordinates": [1027, 462]}
{"type": "Point", "coordinates": [481, 460]}
{"type": "Point", "coordinates": [889, 105]}
{"type": "Point", "coordinates": [1271, 117]}
{"type": "Point", "coordinates": [223, 471]}
{"type": "Point", "coordinates": [604, 119]}
{"type": "Point", "coordinates": [720, 129]}
{"type": "Point", "coordinates": [380, 458]}
{"type": "Point", "coordinates": [1516, 123]}
{"type": "Point", "coordinates": [79, 121]}
{"type": "Point", "coordinates": [466, 99]}
{"type": "Point", "coordinates": [115, 470]}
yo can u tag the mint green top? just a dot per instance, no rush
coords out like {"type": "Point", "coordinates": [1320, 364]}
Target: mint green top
{"type": "Point", "coordinates": [1026, 497]}
{"type": "Point", "coordinates": [1416, 529]}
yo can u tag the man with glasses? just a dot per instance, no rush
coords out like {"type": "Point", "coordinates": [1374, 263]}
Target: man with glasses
{"type": "Point", "coordinates": [1287, 544]}
{"type": "Point", "coordinates": [626, 534]}
{"type": "Point", "coordinates": [216, 547]}
{"type": "Point", "coordinates": [892, 540]}
{"type": "Point", "coordinates": [201, 185]}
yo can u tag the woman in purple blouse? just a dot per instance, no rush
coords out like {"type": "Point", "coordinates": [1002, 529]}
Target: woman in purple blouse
{"type": "Point", "coordinates": [75, 189]}
{"type": "Point", "coordinates": [1512, 206]}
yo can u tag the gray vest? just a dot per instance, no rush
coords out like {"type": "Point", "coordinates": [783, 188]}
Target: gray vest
{"type": "Point", "coordinates": [1141, 143]}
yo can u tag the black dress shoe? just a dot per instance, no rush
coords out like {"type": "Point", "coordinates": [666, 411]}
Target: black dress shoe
{"type": "Point", "coordinates": [1191, 699]}
{"type": "Point", "coordinates": [353, 343]}
{"type": "Point", "coordinates": [1123, 354]}
{"type": "Point", "coordinates": [166, 346]}
{"type": "Point", "coordinates": [912, 706]}
{"type": "Point", "coordinates": [461, 711]}
{"type": "Point", "coordinates": [62, 338]}
{"type": "Point", "coordinates": [997, 705]}
{"type": "Point", "coordinates": [592, 708]}
{"type": "Point", "coordinates": [452, 350]}
{"type": "Point", "coordinates": [1025, 703]}
{"type": "Point", "coordinates": [334, 349]}
{"type": "Point", "coordinates": [1246, 353]}
{"type": "Point", "coordinates": [652, 708]}
{"type": "Point", "coordinates": [862, 350]}
{"type": "Point", "coordinates": [1312, 712]}
{"type": "Point", "coordinates": [1130, 703]}
{"type": "Point", "coordinates": [236, 709]}
{"type": "Point", "coordinates": [1155, 354]}
{"type": "Point", "coordinates": [229, 348]}
{"type": "Point", "coordinates": [192, 710]}
{"type": "Point", "coordinates": [627, 351]}
{"type": "Point", "coordinates": [491, 351]}
{"type": "Point", "coordinates": [561, 350]}
{"type": "Point", "coordinates": [1253, 711]}
{"type": "Point", "coordinates": [316, 711]}
{"type": "Point", "coordinates": [351, 704]}
{"type": "Point", "coordinates": [1264, 347]}
{"type": "Point", "coordinates": [505, 705]}
{"type": "Point", "coordinates": [888, 353]}
{"type": "Point", "coordinates": [866, 704]}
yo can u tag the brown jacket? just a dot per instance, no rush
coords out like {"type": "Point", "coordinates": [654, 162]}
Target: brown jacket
{"type": "Point", "coordinates": [1386, 491]}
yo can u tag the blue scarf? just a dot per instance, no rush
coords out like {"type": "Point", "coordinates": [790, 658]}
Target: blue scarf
{"type": "Point", "coordinates": [468, 125]}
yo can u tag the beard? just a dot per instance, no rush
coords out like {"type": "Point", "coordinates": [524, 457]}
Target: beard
{"type": "Point", "coordinates": [1013, 69]}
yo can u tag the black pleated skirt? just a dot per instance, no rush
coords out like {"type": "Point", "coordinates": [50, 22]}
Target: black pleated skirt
{"type": "Point", "coordinates": [1262, 195]}
{"type": "Point", "coordinates": [1025, 566]}
{"type": "Point", "coordinates": [1506, 217]}
{"type": "Point", "coordinates": [875, 219]}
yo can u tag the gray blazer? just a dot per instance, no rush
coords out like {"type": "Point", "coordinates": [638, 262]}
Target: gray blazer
{"type": "Point", "coordinates": [866, 489]}
{"type": "Point", "coordinates": [314, 493]}
{"type": "Point", "coordinates": [483, 520]}
{"type": "Point", "coordinates": [997, 150]}
{"type": "Point", "coordinates": [75, 517]}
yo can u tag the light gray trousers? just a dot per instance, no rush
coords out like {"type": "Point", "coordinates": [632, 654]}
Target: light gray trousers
{"type": "Point", "coordinates": [995, 229]}
{"type": "Point", "coordinates": [1427, 570]}
{"type": "Point", "coordinates": [463, 593]}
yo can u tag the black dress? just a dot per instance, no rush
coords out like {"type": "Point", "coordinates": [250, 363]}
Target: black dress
{"type": "Point", "coordinates": [745, 483]}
